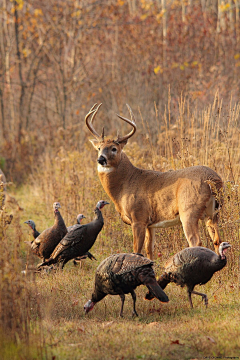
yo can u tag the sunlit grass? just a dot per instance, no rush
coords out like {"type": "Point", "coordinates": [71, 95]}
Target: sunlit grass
{"type": "Point", "coordinates": [55, 324]}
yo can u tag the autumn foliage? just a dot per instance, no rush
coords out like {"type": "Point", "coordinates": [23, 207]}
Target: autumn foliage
{"type": "Point", "coordinates": [60, 57]}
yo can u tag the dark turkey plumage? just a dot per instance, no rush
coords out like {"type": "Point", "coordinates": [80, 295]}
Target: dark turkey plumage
{"type": "Point", "coordinates": [46, 242]}
{"type": "Point", "coordinates": [88, 254]}
{"type": "Point", "coordinates": [192, 266]}
{"type": "Point", "coordinates": [120, 274]}
{"type": "Point", "coordinates": [78, 241]}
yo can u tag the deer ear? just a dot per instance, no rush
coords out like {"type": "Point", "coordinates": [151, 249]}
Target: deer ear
{"type": "Point", "coordinates": [123, 142]}
{"type": "Point", "coordinates": [94, 143]}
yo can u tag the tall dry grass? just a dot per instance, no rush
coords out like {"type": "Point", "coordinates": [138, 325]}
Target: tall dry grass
{"type": "Point", "coordinates": [43, 314]}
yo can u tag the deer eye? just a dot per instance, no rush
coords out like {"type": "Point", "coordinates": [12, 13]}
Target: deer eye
{"type": "Point", "coordinates": [114, 149]}
{"type": "Point", "coordinates": [99, 149]}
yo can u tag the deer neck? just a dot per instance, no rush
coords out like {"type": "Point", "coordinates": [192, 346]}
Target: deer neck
{"type": "Point", "coordinates": [114, 180]}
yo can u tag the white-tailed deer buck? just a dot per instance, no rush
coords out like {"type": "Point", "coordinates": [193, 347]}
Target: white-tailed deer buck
{"type": "Point", "coordinates": [148, 199]}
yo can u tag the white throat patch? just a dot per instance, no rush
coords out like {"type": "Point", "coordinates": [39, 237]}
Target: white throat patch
{"type": "Point", "coordinates": [104, 169]}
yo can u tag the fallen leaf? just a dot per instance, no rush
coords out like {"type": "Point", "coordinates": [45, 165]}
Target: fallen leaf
{"type": "Point", "coordinates": [107, 324]}
{"type": "Point", "coordinates": [152, 324]}
{"type": "Point", "coordinates": [176, 342]}
{"type": "Point", "coordinates": [152, 310]}
{"type": "Point", "coordinates": [75, 302]}
{"type": "Point", "coordinates": [211, 339]}
{"type": "Point", "coordinates": [81, 329]}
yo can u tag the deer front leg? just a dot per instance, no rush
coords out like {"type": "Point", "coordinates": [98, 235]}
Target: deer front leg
{"type": "Point", "coordinates": [149, 242]}
{"type": "Point", "coordinates": [190, 228]}
{"type": "Point", "coordinates": [212, 227]}
{"type": "Point", "coordinates": [139, 231]}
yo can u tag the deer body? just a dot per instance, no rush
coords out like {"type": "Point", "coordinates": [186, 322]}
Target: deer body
{"type": "Point", "coordinates": [148, 199]}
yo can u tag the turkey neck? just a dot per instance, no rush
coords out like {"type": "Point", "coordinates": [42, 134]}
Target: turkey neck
{"type": "Point", "coordinates": [97, 295]}
{"type": "Point", "coordinates": [59, 220]}
{"type": "Point", "coordinates": [35, 233]}
{"type": "Point", "coordinates": [218, 262]}
{"type": "Point", "coordinates": [98, 221]}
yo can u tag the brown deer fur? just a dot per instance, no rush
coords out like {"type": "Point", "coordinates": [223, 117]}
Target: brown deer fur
{"type": "Point", "coordinates": [148, 199]}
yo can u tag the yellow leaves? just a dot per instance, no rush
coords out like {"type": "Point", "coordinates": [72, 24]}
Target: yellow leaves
{"type": "Point", "coordinates": [237, 57]}
{"type": "Point", "coordinates": [146, 5]}
{"type": "Point", "coordinates": [76, 13]}
{"type": "Point", "coordinates": [26, 52]}
{"type": "Point", "coordinates": [100, 90]}
{"type": "Point", "coordinates": [143, 16]}
{"type": "Point", "coordinates": [194, 63]}
{"type": "Point", "coordinates": [186, 64]}
{"type": "Point", "coordinates": [121, 2]}
{"type": "Point", "coordinates": [158, 69]}
{"type": "Point", "coordinates": [38, 12]}
{"type": "Point", "coordinates": [224, 7]}
{"type": "Point", "coordinates": [160, 15]}
{"type": "Point", "coordinates": [20, 4]}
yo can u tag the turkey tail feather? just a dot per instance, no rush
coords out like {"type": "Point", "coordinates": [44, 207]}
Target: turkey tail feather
{"type": "Point", "coordinates": [162, 282]}
{"type": "Point", "coordinates": [47, 262]}
{"type": "Point", "coordinates": [158, 292]}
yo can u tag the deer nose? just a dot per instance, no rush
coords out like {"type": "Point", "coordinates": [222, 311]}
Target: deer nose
{"type": "Point", "coordinates": [102, 160]}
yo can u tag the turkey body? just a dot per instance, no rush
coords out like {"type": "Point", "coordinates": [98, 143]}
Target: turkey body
{"type": "Point", "coordinates": [47, 241]}
{"type": "Point", "coordinates": [78, 241]}
{"type": "Point", "coordinates": [120, 274]}
{"type": "Point", "coordinates": [192, 266]}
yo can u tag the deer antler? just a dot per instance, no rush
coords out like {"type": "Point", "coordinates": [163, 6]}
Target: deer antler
{"type": "Point", "coordinates": [131, 122]}
{"type": "Point", "coordinates": [93, 111]}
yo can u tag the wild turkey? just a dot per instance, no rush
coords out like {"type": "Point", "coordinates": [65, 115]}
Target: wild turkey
{"type": "Point", "coordinates": [36, 233]}
{"type": "Point", "coordinates": [192, 266]}
{"type": "Point", "coordinates": [32, 225]}
{"type": "Point", "coordinates": [46, 242]}
{"type": "Point", "coordinates": [78, 241]}
{"type": "Point", "coordinates": [79, 219]}
{"type": "Point", "coordinates": [120, 274]}
{"type": "Point", "coordinates": [88, 254]}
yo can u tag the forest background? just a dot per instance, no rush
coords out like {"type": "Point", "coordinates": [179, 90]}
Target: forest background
{"type": "Point", "coordinates": [177, 64]}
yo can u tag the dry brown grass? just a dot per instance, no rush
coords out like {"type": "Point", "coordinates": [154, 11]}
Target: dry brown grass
{"type": "Point", "coordinates": [42, 315]}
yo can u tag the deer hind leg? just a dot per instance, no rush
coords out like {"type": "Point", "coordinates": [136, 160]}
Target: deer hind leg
{"type": "Point", "coordinates": [149, 242]}
{"type": "Point", "coordinates": [190, 228]}
{"type": "Point", "coordinates": [139, 230]}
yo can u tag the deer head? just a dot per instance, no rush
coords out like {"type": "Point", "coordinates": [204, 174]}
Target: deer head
{"type": "Point", "coordinates": [109, 151]}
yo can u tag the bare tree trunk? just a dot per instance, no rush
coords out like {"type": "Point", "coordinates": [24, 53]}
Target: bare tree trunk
{"type": "Point", "coordinates": [230, 14]}
{"type": "Point", "coordinates": [221, 20]}
{"type": "Point", "coordinates": [183, 11]}
{"type": "Point", "coordinates": [2, 79]}
{"type": "Point", "coordinates": [164, 10]}
{"type": "Point", "coordinates": [237, 4]}
{"type": "Point", "coordinates": [132, 6]}
{"type": "Point", "coordinates": [7, 68]}
{"type": "Point", "coordinates": [22, 83]}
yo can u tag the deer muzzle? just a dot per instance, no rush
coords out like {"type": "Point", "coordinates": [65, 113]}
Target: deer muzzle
{"type": "Point", "coordinates": [102, 160]}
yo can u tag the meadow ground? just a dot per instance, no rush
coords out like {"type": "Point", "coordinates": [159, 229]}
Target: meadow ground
{"type": "Point", "coordinates": [42, 315]}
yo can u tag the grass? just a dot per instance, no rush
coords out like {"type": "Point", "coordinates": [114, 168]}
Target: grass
{"type": "Point", "coordinates": [42, 315]}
